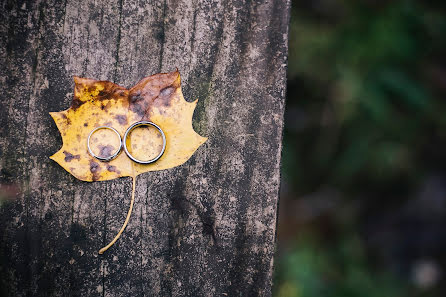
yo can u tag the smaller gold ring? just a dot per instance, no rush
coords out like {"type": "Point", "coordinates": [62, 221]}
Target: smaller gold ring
{"type": "Point", "coordinates": [109, 158]}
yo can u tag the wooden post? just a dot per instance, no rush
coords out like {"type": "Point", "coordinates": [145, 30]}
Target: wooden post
{"type": "Point", "coordinates": [206, 228]}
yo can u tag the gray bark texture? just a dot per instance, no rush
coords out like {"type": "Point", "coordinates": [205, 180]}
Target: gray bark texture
{"type": "Point", "coordinates": [205, 228]}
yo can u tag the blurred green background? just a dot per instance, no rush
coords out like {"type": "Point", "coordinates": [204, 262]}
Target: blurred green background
{"type": "Point", "coordinates": [363, 200]}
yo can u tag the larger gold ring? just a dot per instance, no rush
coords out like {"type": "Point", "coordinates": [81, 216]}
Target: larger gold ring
{"type": "Point", "coordinates": [136, 125]}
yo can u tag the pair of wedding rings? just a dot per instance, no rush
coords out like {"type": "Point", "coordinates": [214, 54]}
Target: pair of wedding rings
{"type": "Point", "coordinates": [123, 143]}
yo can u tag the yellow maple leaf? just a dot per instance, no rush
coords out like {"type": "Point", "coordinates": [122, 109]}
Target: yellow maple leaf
{"type": "Point", "coordinates": [157, 98]}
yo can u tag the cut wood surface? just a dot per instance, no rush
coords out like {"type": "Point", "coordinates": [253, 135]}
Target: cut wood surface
{"type": "Point", "coordinates": [205, 228]}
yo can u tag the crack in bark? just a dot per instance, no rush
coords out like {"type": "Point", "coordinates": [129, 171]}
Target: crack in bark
{"type": "Point", "coordinates": [118, 41]}
{"type": "Point", "coordinates": [162, 34]}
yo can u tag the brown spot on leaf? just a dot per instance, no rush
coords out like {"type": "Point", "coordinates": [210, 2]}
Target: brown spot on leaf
{"type": "Point", "coordinates": [95, 169]}
{"type": "Point", "coordinates": [106, 151]}
{"type": "Point", "coordinates": [112, 168]}
{"type": "Point", "coordinates": [64, 116]}
{"type": "Point", "coordinates": [76, 103]}
{"type": "Point", "coordinates": [138, 109]}
{"type": "Point", "coordinates": [167, 91]}
{"type": "Point", "coordinates": [122, 119]}
{"type": "Point", "coordinates": [92, 88]}
{"type": "Point", "coordinates": [105, 107]}
{"type": "Point", "coordinates": [69, 156]}
{"type": "Point", "coordinates": [135, 97]}
{"type": "Point", "coordinates": [165, 97]}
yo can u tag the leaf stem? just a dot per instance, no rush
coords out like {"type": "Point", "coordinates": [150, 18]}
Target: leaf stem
{"type": "Point", "coordinates": [101, 251]}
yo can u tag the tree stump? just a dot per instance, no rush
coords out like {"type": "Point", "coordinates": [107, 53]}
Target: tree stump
{"type": "Point", "coordinates": [205, 228]}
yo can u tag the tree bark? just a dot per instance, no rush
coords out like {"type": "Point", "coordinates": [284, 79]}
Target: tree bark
{"type": "Point", "coordinates": [205, 228]}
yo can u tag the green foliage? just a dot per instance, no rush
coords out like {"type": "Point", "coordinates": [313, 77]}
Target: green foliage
{"type": "Point", "coordinates": [340, 271]}
{"type": "Point", "coordinates": [362, 81]}
{"type": "Point", "coordinates": [366, 117]}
